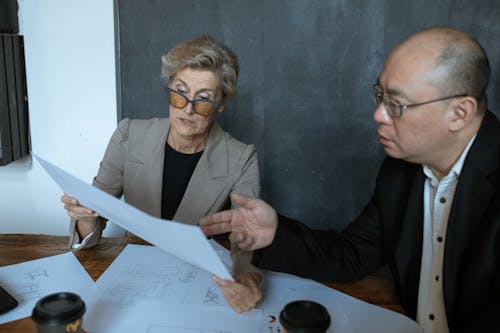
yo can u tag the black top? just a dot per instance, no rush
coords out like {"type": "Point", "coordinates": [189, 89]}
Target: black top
{"type": "Point", "coordinates": [177, 170]}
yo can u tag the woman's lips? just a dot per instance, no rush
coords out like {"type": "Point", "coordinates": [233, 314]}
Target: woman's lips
{"type": "Point", "coordinates": [187, 122]}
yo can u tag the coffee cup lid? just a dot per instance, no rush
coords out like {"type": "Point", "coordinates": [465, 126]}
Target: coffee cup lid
{"type": "Point", "coordinates": [58, 308]}
{"type": "Point", "coordinates": [305, 316]}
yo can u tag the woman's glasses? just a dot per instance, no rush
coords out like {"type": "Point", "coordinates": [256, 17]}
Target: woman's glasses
{"type": "Point", "coordinates": [200, 106]}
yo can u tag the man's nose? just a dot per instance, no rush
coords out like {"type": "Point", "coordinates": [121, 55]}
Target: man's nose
{"type": "Point", "coordinates": [380, 115]}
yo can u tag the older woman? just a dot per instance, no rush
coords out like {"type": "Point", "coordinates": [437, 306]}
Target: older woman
{"type": "Point", "coordinates": [185, 166]}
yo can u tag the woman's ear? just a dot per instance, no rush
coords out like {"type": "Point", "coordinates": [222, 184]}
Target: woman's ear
{"type": "Point", "coordinates": [462, 112]}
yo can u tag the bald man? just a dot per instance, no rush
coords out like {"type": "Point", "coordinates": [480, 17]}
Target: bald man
{"type": "Point", "coordinates": [434, 217]}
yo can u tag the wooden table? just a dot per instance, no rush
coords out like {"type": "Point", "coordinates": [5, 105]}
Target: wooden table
{"type": "Point", "coordinates": [15, 249]}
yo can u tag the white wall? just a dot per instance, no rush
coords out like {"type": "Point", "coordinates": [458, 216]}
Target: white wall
{"type": "Point", "coordinates": [70, 66]}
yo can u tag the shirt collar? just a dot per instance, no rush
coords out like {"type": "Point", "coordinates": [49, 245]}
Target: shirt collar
{"type": "Point", "coordinates": [455, 169]}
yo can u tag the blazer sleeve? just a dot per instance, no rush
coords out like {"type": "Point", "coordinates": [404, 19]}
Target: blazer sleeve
{"type": "Point", "coordinates": [326, 255]}
{"type": "Point", "coordinates": [248, 183]}
{"type": "Point", "coordinates": [109, 179]}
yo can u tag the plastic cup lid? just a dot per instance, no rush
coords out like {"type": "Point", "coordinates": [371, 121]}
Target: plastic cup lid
{"type": "Point", "coordinates": [58, 308]}
{"type": "Point", "coordinates": [306, 316]}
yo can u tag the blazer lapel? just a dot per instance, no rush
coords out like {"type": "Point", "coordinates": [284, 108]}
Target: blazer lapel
{"type": "Point", "coordinates": [208, 180]}
{"type": "Point", "coordinates": [472, 198]}
{"type": "Point", "coordinates": [155, 162]}
{"type": "Point", "coordinates": [409, 248]}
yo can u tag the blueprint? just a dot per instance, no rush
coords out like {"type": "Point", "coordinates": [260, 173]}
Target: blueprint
{"type": "Point", "coordinates": [145, 273]}
{"type": "Point", "coordinates": [146, 290]}
{"type": "Point", "coordinates": [31, 280]}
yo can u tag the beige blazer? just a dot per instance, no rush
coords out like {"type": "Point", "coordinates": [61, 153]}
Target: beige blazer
{"type": "Point", "coordinates": [133, 167]}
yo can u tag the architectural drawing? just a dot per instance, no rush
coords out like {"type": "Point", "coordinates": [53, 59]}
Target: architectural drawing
{"type": "Point", "coordinates": [149, 274]}
{"type": "Point", "coordinates": [212, 296]}
{"type": "Point", "coordinates": [138, 281]}
{"type": "Point", "coordinates": [31, 280]}
{"type": "Point", "coordinates": [28, 287]}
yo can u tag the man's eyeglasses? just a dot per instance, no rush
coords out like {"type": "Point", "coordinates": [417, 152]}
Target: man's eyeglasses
{"type": "Point", "coordinates": [395, 109]}
{"type": "Point", "coordinates": [200, 106]}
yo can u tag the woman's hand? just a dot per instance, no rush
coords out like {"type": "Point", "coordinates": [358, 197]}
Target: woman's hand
{"type": "Point", "coordinates": [244, 294]}
{"type": "Point", "coordinates": [84, 216]}
{"type": "Point", "coordinates": [75, 210]}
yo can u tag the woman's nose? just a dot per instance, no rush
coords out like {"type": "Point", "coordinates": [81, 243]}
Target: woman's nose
{"type": "Point", "coordinates": [189, 108]}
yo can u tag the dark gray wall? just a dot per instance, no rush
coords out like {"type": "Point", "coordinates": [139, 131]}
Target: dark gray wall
{"type": "Point", "coordinates": [304, 89]}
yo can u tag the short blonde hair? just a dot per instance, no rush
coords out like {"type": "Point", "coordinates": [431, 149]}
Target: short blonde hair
{"type": "Point", "coordinates": [203, 53]}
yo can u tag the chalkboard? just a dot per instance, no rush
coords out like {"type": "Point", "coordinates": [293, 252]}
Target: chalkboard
{"type": "Point", "coordinates": [304, 88]}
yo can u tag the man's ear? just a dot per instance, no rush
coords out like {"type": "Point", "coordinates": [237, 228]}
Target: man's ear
{"type": "Point", "coordinates": [462, 111]}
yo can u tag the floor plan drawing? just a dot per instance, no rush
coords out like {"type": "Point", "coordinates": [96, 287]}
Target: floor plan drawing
{"type": "Point", "coordinates": [146, 273]}
{"type": "Point", "coordinates": [29, 281]}
{"type": "Point", "coordinates": [212, 296]}
{"type": "Point", "coordinates": [26, 291]}
{"type": "Point", "coordinates": [154, 282]}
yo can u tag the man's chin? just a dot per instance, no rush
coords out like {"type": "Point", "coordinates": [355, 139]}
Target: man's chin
{"type": "Point", "coordinates": [391, 152]}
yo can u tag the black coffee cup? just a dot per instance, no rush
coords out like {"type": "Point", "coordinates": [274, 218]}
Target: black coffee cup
{"type": "Point", "coordinates": [304, 317]}
{"type": "Point", "coordinates": [59, 313]}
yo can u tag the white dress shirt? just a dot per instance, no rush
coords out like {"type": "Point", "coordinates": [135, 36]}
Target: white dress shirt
{"type": "Point", "coordinates": [438, 198]}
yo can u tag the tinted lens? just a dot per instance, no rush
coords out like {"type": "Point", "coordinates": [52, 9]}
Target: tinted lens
{"type": "Point", "coordinates": [177, 100]}
{"type": "Point", "coordinates": [203, 108]}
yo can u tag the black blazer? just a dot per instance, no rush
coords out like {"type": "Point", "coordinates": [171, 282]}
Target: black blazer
{"type": "Point", "coordinates": [389, 231]}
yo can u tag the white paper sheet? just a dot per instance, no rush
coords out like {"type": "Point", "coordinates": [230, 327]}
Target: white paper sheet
{"type": "Point", "coordinates": [144, 283]}
{"type": "Point", "coordinates": [348, 314]}
{"type": "Point", "coordinates": [151, 317]}
{"type": "Point", "coordinates": [148, 290]}
{"type": "Point", "coordinates": [184, 241]}
{"type": "Point", "coordinates": [145, 273]}
{"type": "Point", "coordinates": [29, 281]}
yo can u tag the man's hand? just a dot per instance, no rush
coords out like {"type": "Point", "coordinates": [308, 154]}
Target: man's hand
{"type": "Point", "coordinates": [251, 226]}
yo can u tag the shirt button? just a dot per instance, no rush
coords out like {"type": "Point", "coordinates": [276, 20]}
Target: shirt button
{"type": "Point", "coordinates": [440, 239]}
{"type": "Point", "coordinates": [437, 277]}
{"type": "Point", "coordinates": [431, 316]}
{"type": "Point", "coordinates": [442, 200]}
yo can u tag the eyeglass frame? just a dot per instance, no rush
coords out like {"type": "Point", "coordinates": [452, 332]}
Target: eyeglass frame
{"type": "Point", "coordinates": [215, 105]}
{"type": "Point", "coordinates": [403, 107]}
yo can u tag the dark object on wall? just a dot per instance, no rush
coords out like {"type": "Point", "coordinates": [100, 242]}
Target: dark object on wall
{"type": "Point", "coordinates": [8, 17]}
{"type": "Point", "coordinates": [14, 134]}
{"type": "Point", "coordinates": [306, 69]}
